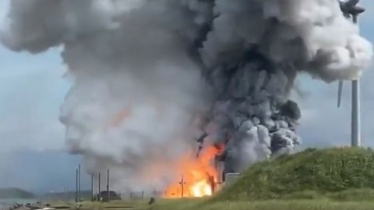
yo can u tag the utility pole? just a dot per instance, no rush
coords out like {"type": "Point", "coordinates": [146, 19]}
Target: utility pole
{"type": "Point", "coordinates": [76, 185]}
{"type": "Point", "coordinates": [107, 184]}
{"type": "Point", "coordinates": [92, 187]}
{"type": "Point", "coordinates": [99, 194]}
{"type": "Point", "coordinates": [182, 183]}
{"type": "Point", "coordinates": [79, 181]}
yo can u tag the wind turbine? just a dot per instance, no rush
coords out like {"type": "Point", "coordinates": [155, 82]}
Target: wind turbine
{"type": "Point", "coordinates": [350, 10]}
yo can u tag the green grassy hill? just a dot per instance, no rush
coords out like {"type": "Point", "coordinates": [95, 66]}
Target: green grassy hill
{"type": "Point", "coordinates": [333, 173]}
{"type": "Point", "coordinates": [6, 193]}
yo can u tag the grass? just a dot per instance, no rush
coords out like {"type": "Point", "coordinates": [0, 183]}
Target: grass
{"type": "Point", "coordinates": [328, 179]}
{"type": "Point", "coordinates": [264, 205]}
{"type": "Point", "coordinates": [203, 204]}
{"type": "Point", "coordinates": [329, 173]}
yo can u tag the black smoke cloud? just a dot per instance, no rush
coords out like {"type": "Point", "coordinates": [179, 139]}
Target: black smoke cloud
{"type": "Point", "coordinates": [232, 63]}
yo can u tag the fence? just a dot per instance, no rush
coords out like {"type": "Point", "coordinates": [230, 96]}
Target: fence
{"type": "Point", "coordinates": [134, 195]}
{"type": "Point", "coordinates": [142, 195]}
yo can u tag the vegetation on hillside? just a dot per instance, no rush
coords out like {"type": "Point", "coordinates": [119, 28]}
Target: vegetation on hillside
{"type": "Point", "coordinates": [333, 173]}
{"type": "Point", "coordinates": [331, 179]}
{"type": "Point", "coordinates": [203, 204]}
{"type": "Point", "coordinates": [259, 205]}
{"type": "Point", "coordinates": [7, 193]}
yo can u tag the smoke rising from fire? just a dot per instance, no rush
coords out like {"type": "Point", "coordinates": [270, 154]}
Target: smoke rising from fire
{"type": "Point", "coordinates": [143, 70]}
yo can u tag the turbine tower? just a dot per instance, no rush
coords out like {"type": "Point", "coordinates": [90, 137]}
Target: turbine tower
{"type": "Point", "coordinates": [351, 10]}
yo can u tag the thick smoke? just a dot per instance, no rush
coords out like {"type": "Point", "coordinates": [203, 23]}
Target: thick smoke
{"type": "Point", "coordinates": [143, 70]}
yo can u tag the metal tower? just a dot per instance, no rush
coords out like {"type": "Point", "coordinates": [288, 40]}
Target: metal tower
{"type": "Point", "coordinates": [350, 10]}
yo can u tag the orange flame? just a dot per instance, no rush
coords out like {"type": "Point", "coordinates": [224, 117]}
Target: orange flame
{"type": "Point", "coordinates": [200, 176]}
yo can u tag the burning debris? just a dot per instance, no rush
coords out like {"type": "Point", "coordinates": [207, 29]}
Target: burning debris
{"type": "Point", "coordinates": [235, 61]}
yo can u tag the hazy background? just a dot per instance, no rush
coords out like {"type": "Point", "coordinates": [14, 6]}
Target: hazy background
{"type": "Point", "coordinates": [32, 153]}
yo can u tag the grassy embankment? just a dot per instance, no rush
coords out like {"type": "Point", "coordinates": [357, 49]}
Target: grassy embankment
{"type": "Point", "coordinates": [331, 179]}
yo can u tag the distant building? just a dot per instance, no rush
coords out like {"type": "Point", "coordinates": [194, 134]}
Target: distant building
{"type": "Point", "coordinates": [224, 178]}
{"type": "Point", "coordinates": [231, 178]}
{"type": "Point", "coordinates": [103, 196]}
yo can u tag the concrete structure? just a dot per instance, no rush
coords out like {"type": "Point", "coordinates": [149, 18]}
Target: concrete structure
{"type": "Point", "coordinates": [231, 178]}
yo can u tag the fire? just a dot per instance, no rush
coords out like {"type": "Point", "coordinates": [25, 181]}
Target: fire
{"type": "Point", "coordinates": [199, 176]}
{"type": "Point", "coordinates": [201, 188]}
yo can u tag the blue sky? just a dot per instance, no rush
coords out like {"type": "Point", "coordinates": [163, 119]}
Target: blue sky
{"type": "Point", "coordinates": [32, 89]}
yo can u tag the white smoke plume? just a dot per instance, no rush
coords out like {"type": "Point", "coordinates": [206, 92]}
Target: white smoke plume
{"type": "Point", "coordinates": [144, 69]}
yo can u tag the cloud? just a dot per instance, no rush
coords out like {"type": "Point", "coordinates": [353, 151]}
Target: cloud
{"type": "Point", "coordinates": [31, 91]}
{"type": "Point", "coordinates": [324, 124]}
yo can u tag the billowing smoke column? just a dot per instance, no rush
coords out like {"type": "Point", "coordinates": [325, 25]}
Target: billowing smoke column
{"type": "Point", "coordinates": [143, 70]}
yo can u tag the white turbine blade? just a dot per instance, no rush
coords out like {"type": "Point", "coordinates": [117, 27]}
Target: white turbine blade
{"type": "Point", "coordinates": [340, 90]}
